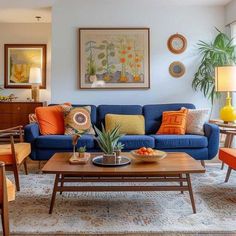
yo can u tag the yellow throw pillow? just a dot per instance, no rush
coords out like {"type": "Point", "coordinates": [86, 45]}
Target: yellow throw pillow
{"type": "Point", "coordinates": [129, 124]}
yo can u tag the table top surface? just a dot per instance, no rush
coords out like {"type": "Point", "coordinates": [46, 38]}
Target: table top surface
{"type": "Point", "coordinates": [173, 163]}
{"type": "Point", "coordinates": [222, 124]}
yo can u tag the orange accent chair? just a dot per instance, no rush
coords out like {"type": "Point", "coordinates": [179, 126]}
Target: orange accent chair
{"type": "Point", "coordinates": [228, 156]}
{"type": "Point", "coordinates": [7, 194]}
{"type": "Point", "coordinates": [14, 154]}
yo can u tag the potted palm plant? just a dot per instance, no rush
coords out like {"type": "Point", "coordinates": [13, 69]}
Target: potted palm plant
{"type": "Point", "coordinates": [107, 141]}
{"type": "Point", "coordinates": [220, 52]}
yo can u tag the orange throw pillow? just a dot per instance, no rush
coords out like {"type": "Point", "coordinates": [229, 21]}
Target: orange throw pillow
{"type": "Point", "coordinates": [173, 122]}
{"type": "Point", "coordinates": [50, 119]}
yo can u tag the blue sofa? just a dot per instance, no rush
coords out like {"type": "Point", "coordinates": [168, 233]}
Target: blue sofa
{"type": "Point", "coordinates": [198, 146]}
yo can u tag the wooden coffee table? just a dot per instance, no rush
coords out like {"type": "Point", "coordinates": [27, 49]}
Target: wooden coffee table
{"type": "Point", "coordinates": [176, 168]}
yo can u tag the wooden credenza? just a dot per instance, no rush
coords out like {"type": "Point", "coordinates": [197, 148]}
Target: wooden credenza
{"type": "Point", "coordinates": [16, 113]}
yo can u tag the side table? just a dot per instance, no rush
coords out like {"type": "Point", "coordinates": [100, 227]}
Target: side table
{"type": "Point", "coordinates": [229, 130]}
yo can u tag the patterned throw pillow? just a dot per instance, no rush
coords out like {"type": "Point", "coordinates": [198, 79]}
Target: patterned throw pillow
{"type": "Point", "coordinates": [173, 122]}
{"type": "Point", "coordinates": [77, 120]}
{"type": "Point", "coordinates": [196, 119]}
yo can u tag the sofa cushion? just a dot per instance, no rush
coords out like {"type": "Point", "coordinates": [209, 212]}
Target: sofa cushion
{"type": "Point", "coordinates": [77, 120]}
{"type": "Point", "coordinates": [173, 122]}
{"type": "Point", "coordinates": [128, 124]}
{"type": "Point", "coordinates": [63, 141]}
{"type": "Point", "coordinates": [116, 109]}
{"type": "Point", "coordinates": [136, 141]}
{"type": "Point", "coordinates": [93, 111]}
{"type": "Point", "coordinates": [153, 114]}
{"type": "Point", "coordinates": [50, 120]}
{"type": "Point", "coordinates": [180, 141]}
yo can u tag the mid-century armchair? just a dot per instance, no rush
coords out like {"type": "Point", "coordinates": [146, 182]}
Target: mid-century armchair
{"type": "Point", "coordinates": [14, 154]}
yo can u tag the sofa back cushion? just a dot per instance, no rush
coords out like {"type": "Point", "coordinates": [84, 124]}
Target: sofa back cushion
{"type": "Point", "coordinates": [153, 114]}
{"type": "Point", "coordinates": [102, 110]}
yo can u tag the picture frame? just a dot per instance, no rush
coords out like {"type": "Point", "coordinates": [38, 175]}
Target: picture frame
{"type": "Point", "coordinates": [18, 59]}
{"type": "Point", "coordinates": [114, 58]}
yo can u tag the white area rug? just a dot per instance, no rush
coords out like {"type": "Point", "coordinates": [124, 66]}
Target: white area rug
{"type": "Point", "coordinates": [111, 213]}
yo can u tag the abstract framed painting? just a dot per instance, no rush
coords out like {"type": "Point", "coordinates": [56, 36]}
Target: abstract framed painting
{"type": "Point", "coordinates": [18, 59]}
{"type": "Point", "coordinates": [114, 58]}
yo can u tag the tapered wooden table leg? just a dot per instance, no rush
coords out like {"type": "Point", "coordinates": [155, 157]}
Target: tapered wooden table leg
{"type": "Point", "coordinates": [62, 182]}
{"type": "Point", "coordinates": [191, 193]}
{"type": "Point", "coordinates": [54, 193]}
{"type": "Point", "coordinates": [181, 183]}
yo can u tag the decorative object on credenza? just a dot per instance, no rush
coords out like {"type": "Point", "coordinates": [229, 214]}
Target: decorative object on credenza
{"type": "Point", "coordinates": [114, 58]}
{"type": "Point", "coordinates": [19, 58]}
{"type": "Point", "coordinates": [107, 141]}
{"type": "Point", "coordinates": [35, 79]}
{"type": "Point", "coordinates": [225, 81]}
{"type": "Point", "coordinates": [177, 69]}
{"type": "Point", "coordinates": [220, 52]}
{"type": "Point", "coordinates": [177, 43]}
{"type": "Point", "coordinates": [9, 98]}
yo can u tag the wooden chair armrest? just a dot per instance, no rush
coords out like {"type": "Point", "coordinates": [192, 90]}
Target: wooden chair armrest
{"type": "Point", "coordinates": [11, 132]}
{"type": "Point", "coordinates": [16, 128]}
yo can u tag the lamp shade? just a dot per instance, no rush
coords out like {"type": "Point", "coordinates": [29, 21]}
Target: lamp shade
{"type": "Point", "coordinates": [35, 76]}
{"type": "Point", "coordinates": [225, 78]}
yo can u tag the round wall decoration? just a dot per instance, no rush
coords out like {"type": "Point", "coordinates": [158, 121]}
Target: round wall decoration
{"type": "Point", "coordinates": [177, 69]}
{"type": "Point", "coordinates": [177, 43]}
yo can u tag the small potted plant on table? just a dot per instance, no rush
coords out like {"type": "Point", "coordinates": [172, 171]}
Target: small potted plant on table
{"type": "Point", "coordinates": [107, 141]}
{"type": "Point", "coordinates": [82, 152]}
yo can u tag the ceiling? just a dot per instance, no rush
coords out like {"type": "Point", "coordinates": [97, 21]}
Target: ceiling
{"type": "Point", "coordinates": [18, 11]}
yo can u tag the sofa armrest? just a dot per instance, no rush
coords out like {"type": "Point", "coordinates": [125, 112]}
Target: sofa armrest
{"type": "Point", "coordinates": [212, 132]}
{"type": "Point", "coordinates": [31, 132]}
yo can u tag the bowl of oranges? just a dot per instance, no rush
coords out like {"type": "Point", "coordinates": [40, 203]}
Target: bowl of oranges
{"type": "Point", "coordinates": [148, 154]}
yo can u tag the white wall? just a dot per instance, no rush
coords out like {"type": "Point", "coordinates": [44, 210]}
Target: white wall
{"type": "Point", "coordinates": [28, 33]}
{"type": "Point", "coordinates": [230, 12]}
{"type": "Point", "coordinates": [195, 22]}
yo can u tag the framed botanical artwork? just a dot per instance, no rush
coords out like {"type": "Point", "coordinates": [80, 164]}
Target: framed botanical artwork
{"type": "Point", "coordinates": [177, 43]}
{"type": "Point", "coordinates": [18, 59]}
{"type": "Point", "coordinates": [114, 58]}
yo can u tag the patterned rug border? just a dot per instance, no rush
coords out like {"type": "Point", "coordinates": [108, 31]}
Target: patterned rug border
{"type": "Point", "coordinates": [134, 234]}
{"type": "Point", "coordinates": [170, 233]}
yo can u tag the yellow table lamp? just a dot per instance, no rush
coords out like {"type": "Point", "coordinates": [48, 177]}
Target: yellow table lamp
{"type": "Point", "coordinates": [225, 81]}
